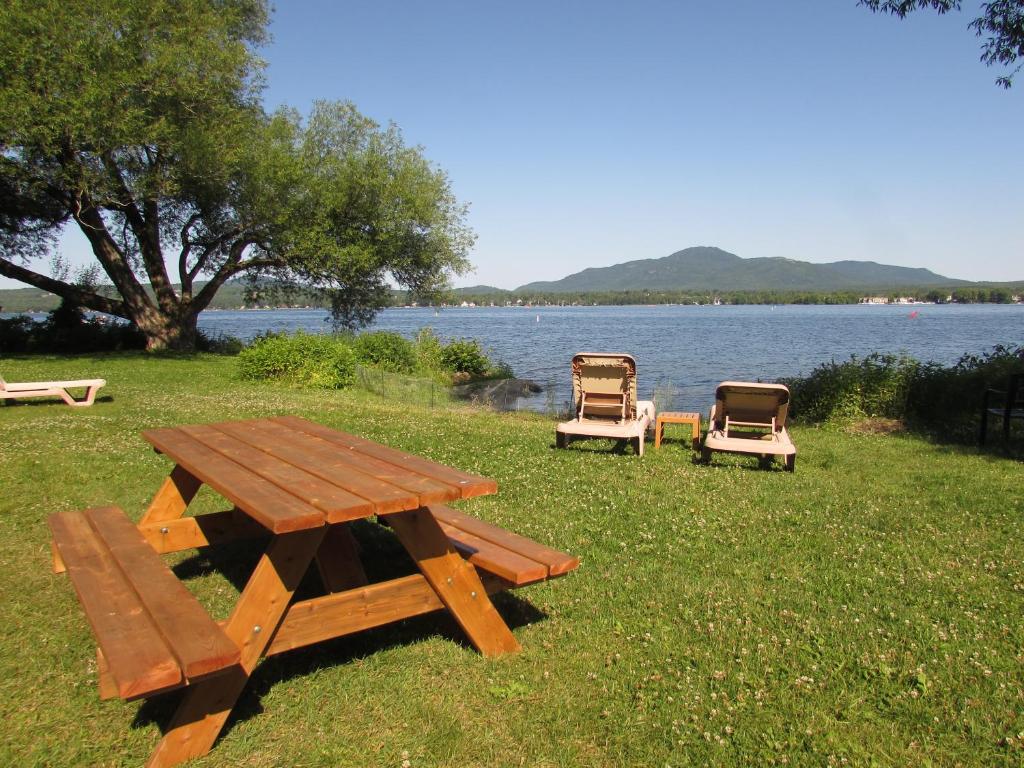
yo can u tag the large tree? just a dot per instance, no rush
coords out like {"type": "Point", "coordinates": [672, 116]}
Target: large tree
{"type": "Point", "coordinates": [139, 123]}
{"type": "Point", "coordinates": [1001, 23]}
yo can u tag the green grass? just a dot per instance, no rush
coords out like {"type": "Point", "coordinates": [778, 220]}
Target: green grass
{"type": "Point", "coordinates": [865, 610]}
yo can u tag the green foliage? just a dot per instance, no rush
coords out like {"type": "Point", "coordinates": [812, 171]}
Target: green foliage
{"type": "Point", "coordinates": [387, 350]}
{"type": "Point", "coordinates": [429, 352]}
{"type": "Point", "coordinates": [943, 395]}
{"type": "Point", "coordinates": [1001, 22]}
{"type": "Point", "coordinates": [304, 359]}
{"type": "Point", "coordinates": [140, 122]}
{"type": "Point", "coordinates": [66, 331]}
{"type": "Point", "coordinates": [872, 386]}
{"type": "Point", "coordinates": [928, 395]}
{"type": "Point", "coordinates": [334, 361]}
{"type": "Point", "coordinates": [465, 356]}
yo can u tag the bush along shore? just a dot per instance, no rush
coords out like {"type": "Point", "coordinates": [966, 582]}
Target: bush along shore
{"type": "Point", "coordinates": [939, 400]}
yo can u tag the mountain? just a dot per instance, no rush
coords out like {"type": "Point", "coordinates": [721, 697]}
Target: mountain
{"type": "Point", "coordinates": [705, 268]}
{"type": "Point", "coordinates": [477, 290]}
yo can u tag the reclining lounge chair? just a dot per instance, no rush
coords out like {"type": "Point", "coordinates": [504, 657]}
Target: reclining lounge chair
{"type": "Point", "coordinates": [604, 397]}
{"type": "Point", "coordinates": [12, 391]}
{"type": "Point", "coordinates": [750, 418]}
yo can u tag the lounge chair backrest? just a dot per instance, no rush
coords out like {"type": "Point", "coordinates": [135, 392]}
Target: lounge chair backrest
{"type": "Point", "coordinates": [607, 377]}
{"type": "Point", "coordinates": [752, 403]}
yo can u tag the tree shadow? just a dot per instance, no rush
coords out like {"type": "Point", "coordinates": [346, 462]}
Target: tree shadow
{"type": "Point", "coordinates": [962, 438]}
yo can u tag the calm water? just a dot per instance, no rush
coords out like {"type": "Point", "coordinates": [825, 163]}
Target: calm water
{"type": "Point", "coordinates": [687, 348]}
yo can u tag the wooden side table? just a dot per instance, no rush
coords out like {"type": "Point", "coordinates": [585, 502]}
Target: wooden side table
{"type": "Point", "coordinates": [677, 417]}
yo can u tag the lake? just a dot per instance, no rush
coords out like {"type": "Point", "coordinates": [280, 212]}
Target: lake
{"type": "Point", "coordinates": [685, 350]}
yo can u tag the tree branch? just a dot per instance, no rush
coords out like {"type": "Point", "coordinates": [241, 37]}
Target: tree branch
{"type": "Point", "coordinates": [145, 227]}
{"type": "Point", "coordinates": [233, 266]}
{"type": "Point", "coordinates": [186, 249]}
{"type": "Point", "coordinates": [209, 247]}
{"type": "Point", "coordinates": [110, 258]}
{"type": "Point", "coordinates": [88, 299]}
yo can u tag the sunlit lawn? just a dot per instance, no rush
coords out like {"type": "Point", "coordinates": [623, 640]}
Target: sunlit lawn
{"type": "Point", "coordinates": [865, 610]}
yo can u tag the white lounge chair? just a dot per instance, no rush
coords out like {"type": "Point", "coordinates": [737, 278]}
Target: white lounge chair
{"type": "Point", "coordinates": [750, 417]}
{"type": "Point", "coordinates": [13, 391]}
{"type": "Point", "coordinates": [604, 394]}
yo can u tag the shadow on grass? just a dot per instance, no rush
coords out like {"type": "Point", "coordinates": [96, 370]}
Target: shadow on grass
{"type": "Point", "coordinates": [589, 444]}
{"type": "Point", "coordinates": [960, 437]}
{"type": "Point", "coordinates": [54, 400]}
{"type": "Point", "coordinates": [384, 558]}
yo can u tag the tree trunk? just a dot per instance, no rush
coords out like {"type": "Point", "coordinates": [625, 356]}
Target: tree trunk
{"type": "Point", "coordinates": [168, 332]}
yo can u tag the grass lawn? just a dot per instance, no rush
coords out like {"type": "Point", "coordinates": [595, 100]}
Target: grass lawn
{"type": "Point", "coordinates": [866, 610]}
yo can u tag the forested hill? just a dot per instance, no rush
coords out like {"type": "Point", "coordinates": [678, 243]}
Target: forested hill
{"type": "Point", "coordinates": [704, 268]}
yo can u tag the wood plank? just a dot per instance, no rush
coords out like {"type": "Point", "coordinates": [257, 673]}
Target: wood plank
{"type": "Point", "coordinates": [427, 491]}
{"type": "Point", "coordinates": [174, 496]}
{"type": "Point", "coordinates": [343, 613]}
{"type": "Point", "coordinates": [325, 461]}
{"type": "Point", "coordinates": [556, 561]}
{"type": "Point", "coordinates": [273, 508]}
{"type": "Point", "coordinates": [199, 645]}
{"type": "Point", "coordinates": [201, 531]}
{"type": "Point", "coordinates": [105, 681]}
{"type": "Point", "coordinates": [491, 557]}
{"type": "Point", "coordinates": [333, 500]}
{"type": "Point", "coordinates": [137, 655]}
{"type": "Point", "coordinates": [338, 561]}
{"type": "Point", "coordinates": [58, 563]}
{"type": "Point", "coordinates": [468, 485]}
{"type": "Point", "coordinates": [354, 610]}
{"type": "Point", "coordinates": [455, 581]}
{"type": "Point", "coordinates": [206, 705]}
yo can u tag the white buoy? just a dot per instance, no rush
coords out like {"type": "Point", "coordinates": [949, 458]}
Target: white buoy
{"type": "Point", "coordinates": [538, 318]}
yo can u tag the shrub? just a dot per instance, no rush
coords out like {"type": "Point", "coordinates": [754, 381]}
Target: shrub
{"type": "Point", "coordinates": [67, 330]}
{"type": "Point", "coordinates": [386, 350]}
{"type": "Point", "coordinates": [465, 356]}
{"type": "Point", "coordinates": [873, 386]}
{"type": "Point", "coordinates": [940, 394]}
{"type": "Point", "coordinates": [311, 360]}
{"type": "Point", "coordinates": [429, 351]}
{"type": "Point", "coordinates": [218, 343]}
{"type": "Point", "coordinates": [898, 387]}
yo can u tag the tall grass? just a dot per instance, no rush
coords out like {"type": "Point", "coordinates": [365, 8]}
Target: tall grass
{"type": "Point", "coordinates": [924, 395]}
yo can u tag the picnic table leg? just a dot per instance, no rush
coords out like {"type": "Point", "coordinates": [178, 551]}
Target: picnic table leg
{"type": "Point", "coordinates": [174, 496]}
{"type": "Point", "coordinates": [338, 560]}
{"type": "Point", "coordinates": [454, 580]}
{"type": "Point", "coordinates": [205, 706]}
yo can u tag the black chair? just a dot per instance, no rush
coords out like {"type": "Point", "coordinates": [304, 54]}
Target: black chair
{"type": "Point", "coordinates": [1012, 406]}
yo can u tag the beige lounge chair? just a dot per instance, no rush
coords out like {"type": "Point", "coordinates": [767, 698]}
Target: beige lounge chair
{"type": "Point", "coordinates": [750, 418]}
{"type": "Point", "coordinates": [12, 391]}
{"type": "Point", "coordinates": [604, 397]}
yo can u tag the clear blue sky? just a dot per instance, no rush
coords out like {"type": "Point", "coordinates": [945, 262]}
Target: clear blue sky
{"type": "Point", "coordinates": [591, 133]}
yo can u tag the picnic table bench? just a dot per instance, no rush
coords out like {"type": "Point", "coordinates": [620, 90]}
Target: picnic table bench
{"type": "Point", "coordinates": [300, 485]}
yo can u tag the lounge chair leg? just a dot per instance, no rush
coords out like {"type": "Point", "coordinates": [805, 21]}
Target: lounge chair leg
{"type": "Point", "coordinates": [791, 463]}
{"type": "Point", "coordinates": [560, 440]}
{"type": "Point", "coordinates": [705, 455]}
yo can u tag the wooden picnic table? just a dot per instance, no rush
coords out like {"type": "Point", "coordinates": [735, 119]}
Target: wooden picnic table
{"type": "Point", "coordinates": [300, 484]}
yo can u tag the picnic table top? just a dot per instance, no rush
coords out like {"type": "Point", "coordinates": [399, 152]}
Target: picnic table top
{"type": "Point", "coordinates": [290, 474]}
